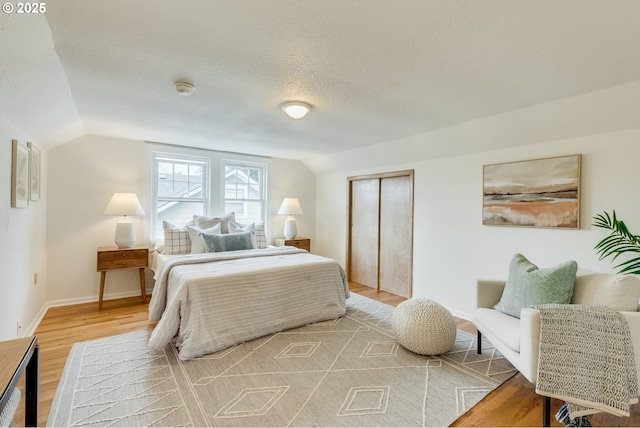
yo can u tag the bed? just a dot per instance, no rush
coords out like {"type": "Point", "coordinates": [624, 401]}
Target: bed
{"type": "Point", "coordinates": [208, 302]}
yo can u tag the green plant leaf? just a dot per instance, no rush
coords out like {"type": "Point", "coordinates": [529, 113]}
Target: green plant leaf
{"type": "Point", "coordinates": [619, 242]}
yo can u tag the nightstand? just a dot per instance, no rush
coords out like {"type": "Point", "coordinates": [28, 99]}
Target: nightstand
{"type": "Point", "coordinates": [302, 243]}
{"type": "Point", "coordinates": [110, 258]}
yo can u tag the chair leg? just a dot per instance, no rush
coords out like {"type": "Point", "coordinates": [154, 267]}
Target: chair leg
{"type": "Point", "coordinates": [479, 342]}
{"type": "Point", "coordinates": [546, 411]}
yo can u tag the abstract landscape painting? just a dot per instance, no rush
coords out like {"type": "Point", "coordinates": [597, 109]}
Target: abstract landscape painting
{"type": "Point", "coordinates": [533, 193]}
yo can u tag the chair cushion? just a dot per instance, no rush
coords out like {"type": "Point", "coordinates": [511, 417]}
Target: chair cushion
{"type": "Point", "coordinates": [501, 325]}
{"type": "Point", "coordinates": [527, 285]}
{"type": "Point", "coordinates": [619, 292]}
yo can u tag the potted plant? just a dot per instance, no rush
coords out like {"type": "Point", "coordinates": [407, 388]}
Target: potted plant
{"type": "Point", "coordinates": [620, 241]}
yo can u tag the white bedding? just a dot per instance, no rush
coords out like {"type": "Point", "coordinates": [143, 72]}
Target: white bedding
{"type": "Point", "coordinates": [212, 301]}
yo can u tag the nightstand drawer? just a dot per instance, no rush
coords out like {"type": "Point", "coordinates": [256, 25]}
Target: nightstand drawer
{"type": "Point", "coordinates": [302, 243]}
{"type": "Point", "coordinates": [122, 259]}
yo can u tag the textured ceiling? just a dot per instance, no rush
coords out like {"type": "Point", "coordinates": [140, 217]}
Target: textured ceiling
{"type": "Point", "coordinates": [375, 71]}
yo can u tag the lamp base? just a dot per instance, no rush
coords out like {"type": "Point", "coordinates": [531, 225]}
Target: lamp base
{"type": "Point", "coordinates": [125, 234]}
{"type": "Point", "coordinates": [290, 227]}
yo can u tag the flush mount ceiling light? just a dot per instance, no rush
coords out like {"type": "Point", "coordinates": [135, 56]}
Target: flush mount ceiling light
{"type": "Point", "coordinates": [296, 109]}
{"type": "Point", "coordinates": [184, 88]}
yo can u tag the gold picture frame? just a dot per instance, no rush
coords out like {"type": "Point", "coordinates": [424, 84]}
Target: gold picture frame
{"type": "Point", "coordinates": [533, 193]}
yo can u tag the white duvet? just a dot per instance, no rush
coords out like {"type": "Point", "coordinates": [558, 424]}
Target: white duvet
{"type": "Point", "coordinates": [211, 301]}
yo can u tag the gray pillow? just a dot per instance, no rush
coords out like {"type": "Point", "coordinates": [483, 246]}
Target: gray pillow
{"type": "Point", "coordinates": [203, 222]}
{"type": "Point", "coordinates": [227, 242]}
{"type": "Point", "coordinates": [528, 286]}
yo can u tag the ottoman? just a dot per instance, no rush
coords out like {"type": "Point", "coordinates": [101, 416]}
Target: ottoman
{"type": "Point", "coordinates": [424, 326]}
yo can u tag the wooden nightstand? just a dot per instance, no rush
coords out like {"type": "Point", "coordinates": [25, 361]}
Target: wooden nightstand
{"type": "Point", "coordinates": [302, 243]}
{"type": "Point", "coordinates": [110, 258]}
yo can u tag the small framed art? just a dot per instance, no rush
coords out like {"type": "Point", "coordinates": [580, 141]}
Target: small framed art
{"type": "Point", "coordinates": [19, 175]}
{"type": "Point", "coordinates": [34, 172]}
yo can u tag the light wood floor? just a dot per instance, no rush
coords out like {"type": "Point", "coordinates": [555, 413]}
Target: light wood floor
{"type": "Point", "coordinates": [514, 403]}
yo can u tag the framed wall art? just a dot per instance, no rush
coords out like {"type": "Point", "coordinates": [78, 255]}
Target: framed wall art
{"type": "Point", "coordinates": [19, 175]}
{"type": "Point", "coordinates": [533, 193]}
{"type": "Point", "coordinates": [34, 172]}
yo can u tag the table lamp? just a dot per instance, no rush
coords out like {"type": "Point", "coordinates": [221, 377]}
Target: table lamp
{"type": "Point", "coordinates": [124, 204]}
{"type": "Point", "coordinates": [291, 207]}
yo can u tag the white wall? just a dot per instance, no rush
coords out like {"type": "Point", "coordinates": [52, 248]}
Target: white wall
{"type": "Point", "coordinates": [23, 249]}
{"type": "Point", "coordinates": [83, 175]}
{"type": "Point", "coordinates": [451, 246]}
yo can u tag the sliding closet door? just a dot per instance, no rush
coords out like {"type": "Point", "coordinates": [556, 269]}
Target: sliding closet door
{"type": "Point", "coordinates": [396, 234]}
{"type": "Point", "coordinates": [363, 261]}
{"type": "Point", "coordinates": [380, 242]}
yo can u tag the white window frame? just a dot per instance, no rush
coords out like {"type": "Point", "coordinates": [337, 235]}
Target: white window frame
{"type": "Point", "coordinates": [158, 157]}
{"type": "Point", "coordinates": [263, 183]}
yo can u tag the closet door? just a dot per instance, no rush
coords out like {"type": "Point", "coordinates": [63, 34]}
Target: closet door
{"type": "Point", "coordinates": [363, 260]}
{"type": "Point", "coordinates": [396, 234]}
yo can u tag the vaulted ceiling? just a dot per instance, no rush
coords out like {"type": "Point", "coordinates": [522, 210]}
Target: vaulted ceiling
{"type": "Point", "coordinates": [374, 70]}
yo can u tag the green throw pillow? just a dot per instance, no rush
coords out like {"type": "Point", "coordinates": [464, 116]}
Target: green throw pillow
{"type": "Point", "coordinates": [227, 242]}
{"type": "Point", "coordinates": [528, 286]}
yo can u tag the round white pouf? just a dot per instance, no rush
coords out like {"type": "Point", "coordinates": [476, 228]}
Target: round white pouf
{"type": "Point", "coordinates": [424, 327]}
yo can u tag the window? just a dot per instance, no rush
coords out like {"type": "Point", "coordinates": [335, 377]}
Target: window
{"type": "Point", "coordinates": [180, 189]}
{"type": "Point", "coordinates": [244, 190]}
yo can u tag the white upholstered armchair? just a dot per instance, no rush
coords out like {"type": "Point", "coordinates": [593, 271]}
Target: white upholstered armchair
{"type": "Point", "coordinates": [518, 339]}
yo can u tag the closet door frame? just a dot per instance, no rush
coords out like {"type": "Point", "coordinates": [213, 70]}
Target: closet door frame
{"type": "Point", "coordinates": [403, 173]}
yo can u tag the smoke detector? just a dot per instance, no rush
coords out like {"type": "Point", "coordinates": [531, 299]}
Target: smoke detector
{"type": "Point", "coordinates": [184, 88]}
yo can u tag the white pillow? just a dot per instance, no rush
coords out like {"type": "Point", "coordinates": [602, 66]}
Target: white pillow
{"type": "Point", "coordinates": [158, 246]}
{"type": "Point", "coordinates": [176, 239]}
{"type": "Point", "coordinates": [258, 232]}
{"type": "Point", "coordinates": [197, 241]}
{"type": "Point", "coordinates": [203, 222]}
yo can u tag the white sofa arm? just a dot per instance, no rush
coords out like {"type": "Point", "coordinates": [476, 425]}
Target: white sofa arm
{"type": "Point", "coordinates": [633, 319]}
{"type": "Point", "coordinates": [488, 292]}
{"type": "Point", "coordinates": [529, 343]}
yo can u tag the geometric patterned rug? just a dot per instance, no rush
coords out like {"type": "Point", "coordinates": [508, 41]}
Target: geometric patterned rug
{"type": "Point", "coordinates": [344, 372]}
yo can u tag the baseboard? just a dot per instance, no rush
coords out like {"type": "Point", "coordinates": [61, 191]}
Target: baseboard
{"type": "Point", "coordinates": [36, 322]}
{"type": "Point", "coordinates": [74, 301]}
{"type": "Point", "coordinates": [89, 299]}
{"type": "Point", "coordinates": [460, 314]}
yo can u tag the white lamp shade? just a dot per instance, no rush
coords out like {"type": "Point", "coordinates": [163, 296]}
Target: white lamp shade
{"type": "Point", "coordinates": [290, 206]}
{"type": "Point", "coordinates": [124, 204]}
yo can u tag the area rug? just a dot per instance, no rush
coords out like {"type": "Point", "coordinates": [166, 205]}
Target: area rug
{"type": "Point", "coordinates": [344, 372]}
